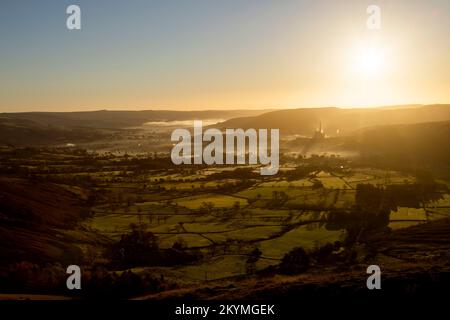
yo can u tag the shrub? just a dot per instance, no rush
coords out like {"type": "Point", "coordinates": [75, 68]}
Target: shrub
{"type": "Point", "coordinates": [295, 261]}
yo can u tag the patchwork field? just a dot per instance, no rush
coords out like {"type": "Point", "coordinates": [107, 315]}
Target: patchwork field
{"type": "Point", "coordinates": [227, 226]}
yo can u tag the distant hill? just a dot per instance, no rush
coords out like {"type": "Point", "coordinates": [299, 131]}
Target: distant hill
{"type": "Point", "coordinates": [44, 128]}
{"type": "Point", "coordinates": [16, 131]}
{"type": "Point", "coordinates": [41, 128]}
{"type": "Point", "coordinates": [120, 119]}
{"type": "Point", "coordinates": [345, 121]}
{"type": "Point", "coordinates": [416, 144]}
{"type": "Point", "coordinates": [404, 146]}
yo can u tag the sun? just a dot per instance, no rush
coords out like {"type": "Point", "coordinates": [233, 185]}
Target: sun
{"type": "Point", "coordinates": [370, 61]}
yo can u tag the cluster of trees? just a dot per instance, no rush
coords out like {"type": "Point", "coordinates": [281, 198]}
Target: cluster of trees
{"type": "Point", "coordinates": [279, 198]}
{"type": "Point", "coordinates": [371, 212]}
{"type": "Point", "coordinates": [300, 172]}
{"type": "Point", "coordinates": [299, 260]}
{"type": "Point", "coordinates": [27, 277]}
{"type": "Point", "coordinates": [295, 261]}
{"type": "Point", "coordinates": [140, 248]}
{"type": "Point", "coordinates": [224, 213]}
{"type": "Point", "coordinates": [307, 166]}
{"type": "Point", "coordinates": [374, 204]}
{"type": "Point", "coordinates": [238, 173]}
{"type": "Point", "coordinates": [253, 258]}
{"type": "Point", "coordinates": [30, 278]}
{"type": "Point", "coordinates": [99, 282]}
{"type": "Point", "coordinates": [232, 187]}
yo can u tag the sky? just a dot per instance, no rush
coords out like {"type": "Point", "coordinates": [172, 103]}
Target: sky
{"type": "Point", "coordinates": [222, 54]}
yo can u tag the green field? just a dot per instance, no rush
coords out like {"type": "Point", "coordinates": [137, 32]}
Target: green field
{"type": "Point", "coordinates": [219, 201]}
{"type": "Point", "coordinates": [233, 224]}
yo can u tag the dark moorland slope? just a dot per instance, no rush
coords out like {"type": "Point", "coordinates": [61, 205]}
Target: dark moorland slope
{"type": "Point", "coordinates": [33, 218]}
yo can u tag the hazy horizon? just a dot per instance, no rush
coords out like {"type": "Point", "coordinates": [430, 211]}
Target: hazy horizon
{"type": "Point", "coordinates": [275, 108]}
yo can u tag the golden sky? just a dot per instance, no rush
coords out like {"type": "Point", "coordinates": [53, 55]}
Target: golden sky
{"type": "Point", "coordinates": [187, 55]}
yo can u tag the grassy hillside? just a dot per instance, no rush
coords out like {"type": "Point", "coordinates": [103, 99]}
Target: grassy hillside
{"type": "Point", "coordinates": [418, 144]}
{"type": "Point", "coordinates": [414, 261]}
{"type": "Point", "coordinates": [33, 218]}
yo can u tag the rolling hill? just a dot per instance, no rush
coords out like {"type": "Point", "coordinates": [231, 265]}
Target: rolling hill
{"type": "Point", "coordinates": [120, 119]}
{"type": "Point", "coordinates": [418, 144]}
{"type": "Point", "coordinates": [337, 121]}
{"type": "Point", "coordinates": [17, 131]}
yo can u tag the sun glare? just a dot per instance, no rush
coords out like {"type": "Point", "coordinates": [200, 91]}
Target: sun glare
{"type": "Point", "coordinates": [370, 62]}
{"type": "Point", "coordinates": [367, 74]}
